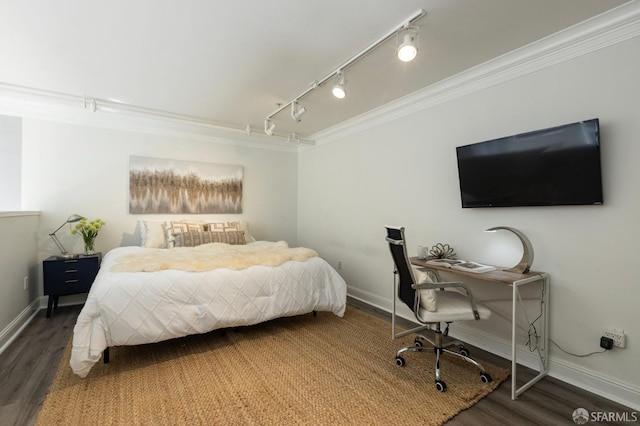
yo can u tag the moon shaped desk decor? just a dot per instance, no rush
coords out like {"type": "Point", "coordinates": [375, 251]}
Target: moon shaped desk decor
{"type": "Point", "coordinates": [527, 250]}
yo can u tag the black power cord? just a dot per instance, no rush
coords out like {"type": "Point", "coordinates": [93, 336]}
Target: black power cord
{"type": "Point", "coordinates": [532, 342]}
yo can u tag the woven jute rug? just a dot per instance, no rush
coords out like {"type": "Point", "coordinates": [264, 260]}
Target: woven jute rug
{"type": "Point", "coordinates": [304, 370]}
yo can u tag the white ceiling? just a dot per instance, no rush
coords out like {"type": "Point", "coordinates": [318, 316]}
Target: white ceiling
{"type": "Point", "coordinates": [232, 61]}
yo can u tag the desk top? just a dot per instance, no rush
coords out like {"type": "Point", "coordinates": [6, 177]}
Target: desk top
{"type": "Point", "coordinates": [498, 276]}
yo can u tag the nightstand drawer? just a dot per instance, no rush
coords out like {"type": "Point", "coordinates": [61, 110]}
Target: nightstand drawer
{"type": "Point", "coordinates": [69, 276]}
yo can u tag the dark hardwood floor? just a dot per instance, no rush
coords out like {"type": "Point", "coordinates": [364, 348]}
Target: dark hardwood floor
{"type": "Point", "coordinates": [548, 402]}
{"type": "Point", "coordinates": [28, 366]}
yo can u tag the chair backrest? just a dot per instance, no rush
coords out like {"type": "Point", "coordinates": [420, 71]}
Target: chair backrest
{"type": "Point", "coordinates": [398, 248]}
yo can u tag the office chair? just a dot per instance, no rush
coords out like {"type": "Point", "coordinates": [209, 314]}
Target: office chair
{"type": "Point", "coordinates": [450, 306]}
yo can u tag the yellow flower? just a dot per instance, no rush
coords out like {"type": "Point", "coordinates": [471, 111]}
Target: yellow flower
{"type": "Point", "coordinates": [88, 230]}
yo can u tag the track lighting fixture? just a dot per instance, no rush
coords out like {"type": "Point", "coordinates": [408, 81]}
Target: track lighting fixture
{"type": "Point", "coordinates": [269, 127]}
{"type": "Point", "coordinates": [408, 50]}
{"type": "Point", "coordinates": [338, 86]}
{"type": "Point", "coordinates": [294, 138]}
{"type": "Point", "coordinates": [297, 110]}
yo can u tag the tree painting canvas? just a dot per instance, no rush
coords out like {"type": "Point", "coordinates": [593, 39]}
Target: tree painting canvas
{"type": "Point", "coordinates": [183, 187]}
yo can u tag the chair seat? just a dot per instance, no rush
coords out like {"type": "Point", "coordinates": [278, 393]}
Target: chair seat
{"type": "Point", "coordinates": [453, 306]}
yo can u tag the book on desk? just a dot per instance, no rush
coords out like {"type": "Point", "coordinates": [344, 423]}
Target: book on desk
{"type": "Point", "coordinates": [462, 265]}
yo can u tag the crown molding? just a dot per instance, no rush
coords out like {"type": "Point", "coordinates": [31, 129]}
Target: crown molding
{"type": "Point", "coordinates": [610, 28]}
{"type": "Point", "coordinates": [64, 108]}
{"type": "Point", "coordinates": [607, 29]}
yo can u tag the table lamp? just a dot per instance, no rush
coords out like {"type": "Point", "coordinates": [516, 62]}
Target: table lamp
{"type": "Point", "coordinates": [64, 254]}
{"type": "Point", "coordinates": [527, 250]}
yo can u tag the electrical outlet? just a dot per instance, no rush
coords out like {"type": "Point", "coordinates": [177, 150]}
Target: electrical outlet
{"type": "Point", "coordinates": [25, 283]}
{"type": "Point", "coordinates": [617, 336]}
{"type": "Point", "coordinates": [339, 265]}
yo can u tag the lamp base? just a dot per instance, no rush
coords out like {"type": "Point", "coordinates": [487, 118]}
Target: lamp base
{"type": "Point", "coordinates": [67, 256]}
{"type": "Point", "coordinates": [518, 269]}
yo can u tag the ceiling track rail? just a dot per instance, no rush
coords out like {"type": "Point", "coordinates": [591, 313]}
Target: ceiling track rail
{"type": "Point", "coordinates": [315, 84]}
{"type": "Point", "coordinates": [96, 104]}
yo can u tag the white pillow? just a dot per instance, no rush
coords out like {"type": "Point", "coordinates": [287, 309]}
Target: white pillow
{"type": "Point", "coordinates": [152, 233]}
{"type": "Point", "coordinates": [428, 297]}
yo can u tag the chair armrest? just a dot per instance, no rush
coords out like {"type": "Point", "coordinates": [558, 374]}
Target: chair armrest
{"type": "Point", "coordinates": [452, 284]}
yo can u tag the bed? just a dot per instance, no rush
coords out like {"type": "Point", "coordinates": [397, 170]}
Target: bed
{"type": "Point", "coordinates": [141, 295]}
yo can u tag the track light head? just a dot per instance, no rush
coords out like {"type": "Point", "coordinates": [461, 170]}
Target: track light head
{"type": "Point", "coordinates": [294, 138]}
{"type": "Point", "coordinates": [269, 127]}
{"type": "Point", "coordinates": [406, 32]}
{"type": "Point", "coordinates": [338, 86]}
{"type": "Point", "coordinates": [408, 50]}
{"type": "Point", "coordinates": [297, 110]}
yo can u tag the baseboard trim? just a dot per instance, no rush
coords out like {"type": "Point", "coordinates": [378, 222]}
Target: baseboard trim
{"type": "Point", "coordinates": [69, 301]}
{"type": "Point", "coordinates": [561, 369]}
{"type": "Point", "coordinates": [592, 381]}
{"type": "Point", "coordinates": [15, 327]}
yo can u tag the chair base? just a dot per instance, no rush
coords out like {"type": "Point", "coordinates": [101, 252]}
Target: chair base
{"type": "Point", "coordinates": [440, 348]}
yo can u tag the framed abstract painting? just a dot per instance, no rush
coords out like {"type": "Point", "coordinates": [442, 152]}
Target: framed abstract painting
{"type": "Point", "coordinates": [183, 187]}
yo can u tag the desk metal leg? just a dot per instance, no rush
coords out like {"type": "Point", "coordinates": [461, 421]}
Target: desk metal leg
{"type": "Point", "coordinates": [542, 353]}
{"type": "Point", "coordinates": [514, 364]}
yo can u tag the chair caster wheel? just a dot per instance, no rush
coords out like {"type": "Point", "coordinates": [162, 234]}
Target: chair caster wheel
{"type": "Point", "coordinates": [417, 343]}
{"type": "Point", "coordinates": [400, 362]}
{"type": "Point", "coordinates": [440, 386]}
{"type": "Point", "coordinates": [464, 352]}
{"type": "Point", "coordinates": [485, 377]}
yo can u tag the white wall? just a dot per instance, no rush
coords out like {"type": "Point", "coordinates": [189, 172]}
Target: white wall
{"type": "Point", "coordinates": [10, 160]}
{"type": "Point", "coordinates": [18, 242]}
{"type": "Point", "coordinates": [337, 197]}
{"type": "Point", "coordinates": [404, 172]}
{"type": "Point", "coordinates": [77, 169]}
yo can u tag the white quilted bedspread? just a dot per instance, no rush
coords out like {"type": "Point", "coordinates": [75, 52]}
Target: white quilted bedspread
{"type": "Point", "coordinates": [132, 308]}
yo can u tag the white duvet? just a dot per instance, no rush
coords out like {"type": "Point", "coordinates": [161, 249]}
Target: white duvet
{"type": "Point", "coordinates": [132, 308]}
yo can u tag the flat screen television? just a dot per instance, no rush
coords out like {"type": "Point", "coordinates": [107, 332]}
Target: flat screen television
{"type": "Point", "coordinates": [549, 167]}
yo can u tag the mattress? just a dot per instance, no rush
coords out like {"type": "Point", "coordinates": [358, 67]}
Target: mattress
{"type": "Point", "coordinates": [133, 308]}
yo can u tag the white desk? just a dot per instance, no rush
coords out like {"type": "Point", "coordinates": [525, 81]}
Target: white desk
{"type": "Point", "coordinates": [515, 281]}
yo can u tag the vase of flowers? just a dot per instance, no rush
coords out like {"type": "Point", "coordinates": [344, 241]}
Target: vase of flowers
{"type": "Point", "coordinates": [89, 232]}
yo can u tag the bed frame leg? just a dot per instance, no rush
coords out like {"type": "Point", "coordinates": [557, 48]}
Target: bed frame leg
{"type": "Point", "coordinates": [315, 313]}
{"type": "Point", "coordinates": [105, 355]}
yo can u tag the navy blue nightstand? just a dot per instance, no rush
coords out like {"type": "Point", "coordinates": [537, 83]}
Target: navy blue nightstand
{"type": "Point", "coordinates": [63, 277]}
